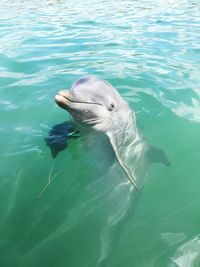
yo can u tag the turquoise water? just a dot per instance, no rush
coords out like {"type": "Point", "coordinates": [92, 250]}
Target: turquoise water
{"type": "Point", "coordinates": [150, 51]}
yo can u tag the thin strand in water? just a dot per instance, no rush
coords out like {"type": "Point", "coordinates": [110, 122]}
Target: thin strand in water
{"type": "Point", "coordinates": [50, 179]}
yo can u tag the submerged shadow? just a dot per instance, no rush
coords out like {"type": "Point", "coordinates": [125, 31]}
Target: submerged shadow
{"type": "Point", "coordinates": [59, 135]}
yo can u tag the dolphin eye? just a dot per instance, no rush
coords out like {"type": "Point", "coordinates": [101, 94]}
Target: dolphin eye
{"type": "Point", "coordinates": [112, 106]}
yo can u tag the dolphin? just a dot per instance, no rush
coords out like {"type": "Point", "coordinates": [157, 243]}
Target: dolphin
{"type": "Point", "coordinates": [99, 111]}
{"type": "Point", "coordinates": [96, 105]}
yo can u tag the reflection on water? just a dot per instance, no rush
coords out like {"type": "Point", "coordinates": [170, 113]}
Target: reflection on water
{"type": "Point", "coordinates": [87, 216]}
{"type": "Point", "coordinates": [188, 254]}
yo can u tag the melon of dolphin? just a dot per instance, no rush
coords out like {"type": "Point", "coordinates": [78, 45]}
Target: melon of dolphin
{"type": "Point", "coordinates": [96, 104]}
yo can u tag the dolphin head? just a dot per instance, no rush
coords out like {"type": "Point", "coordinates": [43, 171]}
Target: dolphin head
{"type": "Point", "coordinates": [92, 102]}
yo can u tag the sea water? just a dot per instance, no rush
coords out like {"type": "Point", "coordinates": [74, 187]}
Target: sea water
{"type": "Point", "coordinates": [69, 210]}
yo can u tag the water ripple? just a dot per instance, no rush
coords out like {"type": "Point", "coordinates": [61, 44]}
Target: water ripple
{"type": "Point", "coordinates": [155, 45]}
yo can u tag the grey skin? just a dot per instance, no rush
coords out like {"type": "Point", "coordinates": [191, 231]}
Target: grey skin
{"type": "Point", "coordinates": [96, 104]}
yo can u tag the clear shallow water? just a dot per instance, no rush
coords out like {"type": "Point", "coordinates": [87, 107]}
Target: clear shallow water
{"type": "Point", "coordinates": [150, 52]}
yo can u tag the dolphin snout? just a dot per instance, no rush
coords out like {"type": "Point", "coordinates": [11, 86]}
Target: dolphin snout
{"type": "Point", "coordinates": [62, 98]}
{"type": "Point", "coordinates": [64, 93]}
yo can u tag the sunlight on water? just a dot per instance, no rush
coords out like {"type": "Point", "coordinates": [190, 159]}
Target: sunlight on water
{"type": "Point", "coordinates": [77, 209]}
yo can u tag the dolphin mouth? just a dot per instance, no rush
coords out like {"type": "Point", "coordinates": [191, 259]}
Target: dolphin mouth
{"type": "Point", "coordinates": [64, 99]}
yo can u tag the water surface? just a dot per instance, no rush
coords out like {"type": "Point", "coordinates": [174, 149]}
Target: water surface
{"type": "Point", "coordinates": [149, 50]}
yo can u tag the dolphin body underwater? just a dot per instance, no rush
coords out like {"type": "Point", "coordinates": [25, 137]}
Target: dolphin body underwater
{"type": "Point", "coordinates": [99, 111]}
